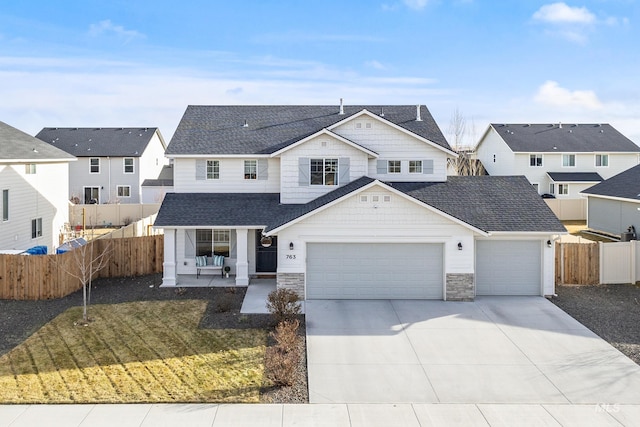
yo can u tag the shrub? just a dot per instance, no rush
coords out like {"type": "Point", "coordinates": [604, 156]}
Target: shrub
{"type": "Point", "coordinates": [283, 304]}
{"type": "Point", "coordinates": [281, 366]}
{"type": "Point", "coordinates": [286, 335]}
{"type": "Point", "coordinates": [224, 303]}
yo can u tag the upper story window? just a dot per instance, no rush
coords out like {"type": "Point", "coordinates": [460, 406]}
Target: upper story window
{"type": "Point", "coordinates": [128, 164]}
{"type": "Point", "coordinates": [5, 205]}
{"type": "Point", "coordinates": [30, 168]}
{"type": "Point", "coordinates": [94, 165]}
{"type": "Point", "coordinates": [415, 166]}
{"type": "Point", "coordinates": [535, 160]}
{"type": "Point", "coordinates": [36, 228]}
{"type": "Point", "coordinates": [602, 160]}
{"type": "Point", "coordinates": [394, 166]}
{"type": "Point", "coordinates": [213, 169]}
{"type": "Point", "coordinates": [250, 169]}
{"type": "Point", "coordinates": [323, 171]}
{"type": "Point", "coordinates": [568, 160]}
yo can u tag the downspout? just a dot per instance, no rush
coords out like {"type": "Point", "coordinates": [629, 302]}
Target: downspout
{"type": "Point", "coordinates": [109, 182]}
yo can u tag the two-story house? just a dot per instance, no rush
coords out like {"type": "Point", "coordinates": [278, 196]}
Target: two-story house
{"type": "Point", "coordinates": [348, 202]}
{"type": "Point", "coordinates": [112, 162]}
{"type": "Point", "coordinates": [559, 160]}
{"type": "Point", "coordinates": [34, 178]}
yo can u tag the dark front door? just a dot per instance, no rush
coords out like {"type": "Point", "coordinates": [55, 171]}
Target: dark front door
{"type": "Point", "coordinates": [266, 258]}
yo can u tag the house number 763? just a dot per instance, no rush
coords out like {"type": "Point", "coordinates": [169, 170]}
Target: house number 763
{"type": "Point", "coordinates": [291, 257]}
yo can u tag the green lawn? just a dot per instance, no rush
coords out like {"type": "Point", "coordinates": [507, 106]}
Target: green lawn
{"type": "Point", "coordinates": [135, 352]}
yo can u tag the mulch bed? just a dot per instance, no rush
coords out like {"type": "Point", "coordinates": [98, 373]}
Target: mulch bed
{"type": "Point", "coordinates": [20, 319]}
{"type": "Point", "coordinates": [611, 311]}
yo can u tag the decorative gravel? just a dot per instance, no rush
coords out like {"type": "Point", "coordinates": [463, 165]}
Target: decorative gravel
{"type": "Point", "coordinates": [611, 311]}
{"type": "Point", "coordinates": [20, 319]}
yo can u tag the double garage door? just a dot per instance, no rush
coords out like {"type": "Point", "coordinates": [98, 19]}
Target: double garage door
{"type": "Point", "coordinates": [508, 267]}
{"type": "Point", "coordinates": [374, 271]}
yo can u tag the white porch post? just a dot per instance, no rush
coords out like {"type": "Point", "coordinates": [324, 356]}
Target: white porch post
{"type": "Point", "coordinates": [242, 264]}
{"type": "Point", "coordinates": [169, 264]}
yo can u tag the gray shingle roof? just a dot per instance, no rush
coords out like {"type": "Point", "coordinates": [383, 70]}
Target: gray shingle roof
{"type": "Point", "coordinates": [165, 178]}
{"type": "Point", "coordinates": [18, 145]}
{"type": "Point", "coordinates": [625, 185]}
{"type": "Point", "coordinates": [489, 203]}
{"type": "Point", "coordinates": [575, 176]}
{"type": "Point", "coordinates": [220, 130]}
{"type": "Point", "coordinates": [570, 138]}
{"type": "Point", "coordinates": [99, 142]}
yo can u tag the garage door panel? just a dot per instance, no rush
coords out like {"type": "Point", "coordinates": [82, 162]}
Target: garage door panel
{"type": "Point", "coordinates": [374, 271]}
{"type": "Point", "coordinates": [508, 267]}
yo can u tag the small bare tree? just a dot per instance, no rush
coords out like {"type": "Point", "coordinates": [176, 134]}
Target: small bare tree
{"type": "Point", "coordinates": [87, 261]}
{"type": "Point", "coordinates": [466, 163]}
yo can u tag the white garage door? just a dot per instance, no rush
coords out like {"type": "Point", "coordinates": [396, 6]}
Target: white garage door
{"type": "Point", "coordinates": [374, 271]}
{"type": "Point", "coordinates": [508, 267]}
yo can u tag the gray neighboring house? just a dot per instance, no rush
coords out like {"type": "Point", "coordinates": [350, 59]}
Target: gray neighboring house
{"type": "Point", "coordinates": [614, 204]}
{"type": "Point", "coordinates": [112, 162]}
{"type": "Point", "coordinates": [344, 202]}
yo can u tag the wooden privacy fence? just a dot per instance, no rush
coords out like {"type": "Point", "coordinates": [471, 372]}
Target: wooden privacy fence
{"type": "Point", "coordinates": [577, 263]}
{"type": "Point", "coordinates": [37, 277]}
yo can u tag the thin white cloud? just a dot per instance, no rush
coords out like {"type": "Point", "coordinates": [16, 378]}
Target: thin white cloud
{"type": "Point", "coordinates": [550, 93]}
{"type": "Point", "coordinates": [375, 65]}
{"type": "Point", "coordinates": [106, 27]}
{"type": "Point", "coordinates": [561, 13]}
{"type": "Point", "coordinates": [416, 4]}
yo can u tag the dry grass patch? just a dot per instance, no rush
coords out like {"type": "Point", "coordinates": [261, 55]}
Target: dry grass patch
{"type": "Point", "coordinates": [150, 351]}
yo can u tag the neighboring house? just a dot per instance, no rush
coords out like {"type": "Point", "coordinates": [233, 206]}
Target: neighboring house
{"type": "Point", "coordinates": [112, 162]}
{"type": "Point", "coordinates": [348, 202]}
{"type": "Point", "coordinates": [614, 204]}
{"type": "Point", "coordinates": [557, 159]}
{"type": "Point", "coordinates": [154, 190]}
{"type": "Point", "coordinates": [34, 177]}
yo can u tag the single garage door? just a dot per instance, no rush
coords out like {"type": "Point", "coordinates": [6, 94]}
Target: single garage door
{"type": "Point", "coordinates": [508, 267]}
{"type": "Point", "coordinates": [374, 271]}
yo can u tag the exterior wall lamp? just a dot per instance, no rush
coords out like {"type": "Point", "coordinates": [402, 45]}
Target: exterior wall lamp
{"type": "Point", "coordinates": [290, 246]}
{"type": "Point", "coordinates": [459, 246]}
{"type": "Point", "coordinates": [548, 243]}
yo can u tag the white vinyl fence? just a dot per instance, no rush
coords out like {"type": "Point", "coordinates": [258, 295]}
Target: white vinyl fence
{"type": "Point", "coordinates": [620, 262]}
{"type": "Point", "coordinates": [110, 215]}
{"type": "Point", "coordinates": [140, 228]}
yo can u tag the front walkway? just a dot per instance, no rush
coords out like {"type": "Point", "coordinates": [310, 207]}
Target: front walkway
{"type": "Point", "coordinates": [334, 415]}
{"type": "Point", "coordinates": [496, 350]}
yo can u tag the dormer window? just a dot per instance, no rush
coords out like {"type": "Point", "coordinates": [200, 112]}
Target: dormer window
{"type": "Point", "coordinates": [323, 171]}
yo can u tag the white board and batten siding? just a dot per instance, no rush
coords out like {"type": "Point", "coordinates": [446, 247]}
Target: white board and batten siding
{"type": "Point", "coordinates": [190, 177]}
{"type": "Point", "coordinates": [31, 196]}
{"type": "Point", "coordinates": [354, 224]}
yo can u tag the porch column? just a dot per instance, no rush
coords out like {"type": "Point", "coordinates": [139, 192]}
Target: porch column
{"type": "Point", "coordinates": [242, 264]}
{"type": "Point", "coordinates": [169, 264]}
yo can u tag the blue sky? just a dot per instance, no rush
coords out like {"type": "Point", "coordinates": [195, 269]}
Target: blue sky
{"type": "Point", "coordinates": [140, 63]}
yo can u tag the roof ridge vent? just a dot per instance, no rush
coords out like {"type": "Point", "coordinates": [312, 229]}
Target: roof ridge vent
{"type": "Point", "coordinates": [418, 118]}
{"type": "Point", "coordinates": [246, 124]}
{"type": "Point", "coordinates": [341, 108]}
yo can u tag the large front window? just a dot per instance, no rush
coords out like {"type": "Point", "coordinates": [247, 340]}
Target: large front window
{"type": "Point", "coordinates": [324, 171]}
{"type": "Point", "coordinates": [212, 242]}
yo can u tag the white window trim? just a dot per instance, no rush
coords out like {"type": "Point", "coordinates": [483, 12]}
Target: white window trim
{"type": "Point", "coordinates": [213, 177]}
{"type": "Point", "coordinates": [536, 185]}
{"type": "Point", "coordinates": [118, 187]}
{"type": "Point", "coordinates": [37, 236]}
{"type": "Point", "coordinates": [99, 165]}
{"type": "Point", "coordinates": [91, 186]}
{"type": "Point", "coordinates": [575, 160]}
{"type": "Point", "coordinates": [421, 166]}
{"type": "Point", "coordinates": [324, 181]}
{"type": "Point", "coordinates": [389, 167]}
{"type": "Point", "coordinates": [30, 168]}
{"type": "Point", "coordinates": [541, 160]}
{"type": "Point", "coordinates": [244, 169]}
{"type": "Point", "coordinates": [552, 188]}
{"type": "Point", "coordinates": [595, 160]}
{"type": "Point", "coordinates": [124, 165]}
{"type": "Point", "coordinates": [563, 186]}
{"type": "Point", "coordinates": [2, 203]}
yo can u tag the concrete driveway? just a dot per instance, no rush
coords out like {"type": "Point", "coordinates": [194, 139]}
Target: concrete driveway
{"type": "Point", "coordinates": [494, 350]}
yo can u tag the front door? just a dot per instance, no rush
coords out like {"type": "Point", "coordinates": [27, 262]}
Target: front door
{"type": "Point", "coordinates": [266, 257]}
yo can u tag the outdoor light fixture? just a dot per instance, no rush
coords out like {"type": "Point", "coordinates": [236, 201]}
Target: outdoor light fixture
{"type": "Point", "coordinates": [459, 246]}
{"type": "Point", "coordinates": [548, 243]}
{"type": "Point", "coordinates": [290, 246]}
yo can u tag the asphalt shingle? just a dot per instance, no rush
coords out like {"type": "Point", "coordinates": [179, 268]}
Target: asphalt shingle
{"type": "Point", "coordinates": [18, 145]}
{"type": "Point", "coordinates": [625, 185]}
{"type": "Point", "coordinates": [575, 176]}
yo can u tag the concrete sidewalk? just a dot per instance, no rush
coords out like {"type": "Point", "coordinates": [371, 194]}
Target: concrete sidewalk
{"type": "Point", "coordinates": [335, 415]}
